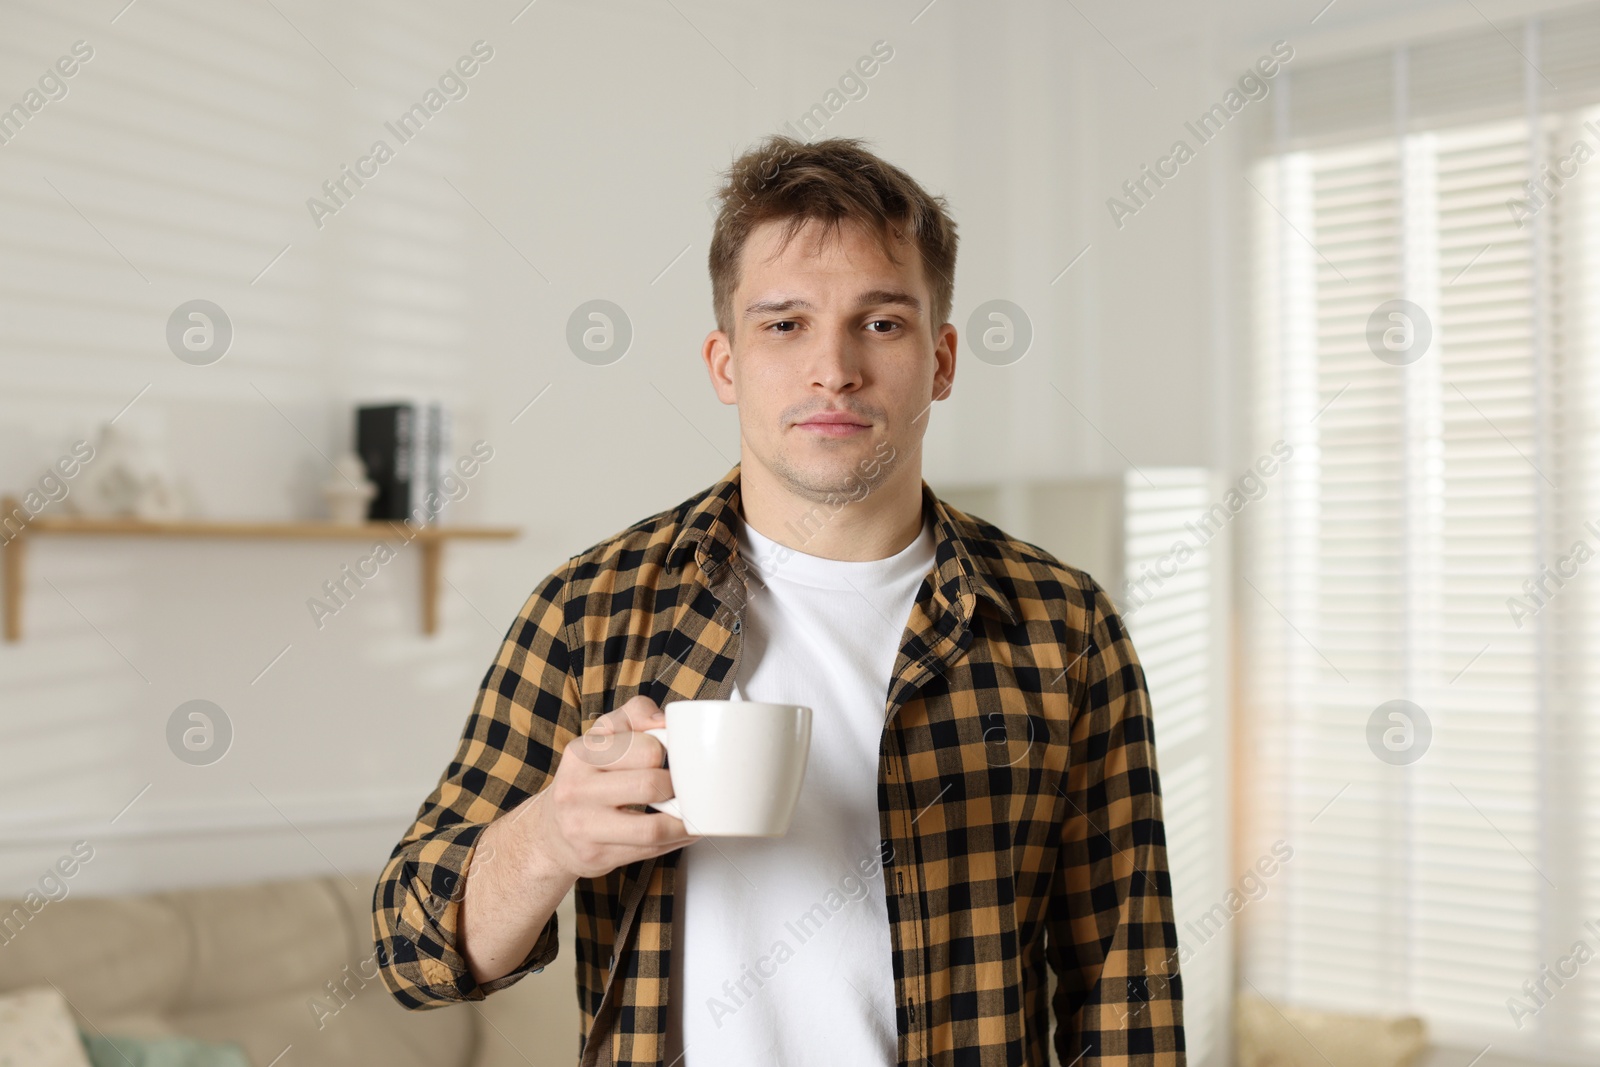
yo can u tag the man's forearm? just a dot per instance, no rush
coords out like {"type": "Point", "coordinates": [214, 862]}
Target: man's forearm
{"type": "Point", "coordinates": [511, 892]}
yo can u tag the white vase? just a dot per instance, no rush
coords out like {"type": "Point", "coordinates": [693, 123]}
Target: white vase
{"type": "Point", "coordinates": [159, 501]}
{"type": "Point", "coordinates": [110, 486]}
{"type": "Point", "coordinates": [349, 492]}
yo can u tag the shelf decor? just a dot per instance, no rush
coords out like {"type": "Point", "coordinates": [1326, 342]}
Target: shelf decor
{"type": "Point", "coordinates": [431, 539]}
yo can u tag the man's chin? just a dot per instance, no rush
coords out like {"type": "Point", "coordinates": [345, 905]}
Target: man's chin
{"type": "Point", "coordinates": [845, 469]}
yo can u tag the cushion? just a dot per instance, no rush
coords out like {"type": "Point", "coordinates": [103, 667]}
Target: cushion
{"type": "Point", "coordinates": [368, 1028]}
{"type": "Point", "coordinates": [1269, 1036]}
{"type": "Point", "coordinates": [109, 956]}
{"type": "Point", "coordinates": [261, 966]}
{"type": "Point", "coordinates": [250, 942]}
{"type": "Point", "coordinates": [160, 1052]}
{"type": "Point", "coordinates": [36, 1030]}
{"type": "Point", "coordinates": [134, 1024]}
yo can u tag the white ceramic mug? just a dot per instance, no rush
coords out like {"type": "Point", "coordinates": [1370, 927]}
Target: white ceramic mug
{"type": "Point", "coordinates": [736, 765]}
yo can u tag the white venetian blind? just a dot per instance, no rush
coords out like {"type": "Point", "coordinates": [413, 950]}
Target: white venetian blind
{"type": "Point", "coordinates": [1169, 603]}
{"type": "Point", "coordinates": [1575, 228]}
{"type": "Point", "coordinates": [1423, 493]}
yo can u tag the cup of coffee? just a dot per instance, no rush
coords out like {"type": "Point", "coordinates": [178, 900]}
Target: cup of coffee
{"type": "Point", "coordinates": [736, 765]}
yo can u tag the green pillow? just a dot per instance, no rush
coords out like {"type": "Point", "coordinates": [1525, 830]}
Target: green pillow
{"type": "Point", "coordinates": [160, 1052]}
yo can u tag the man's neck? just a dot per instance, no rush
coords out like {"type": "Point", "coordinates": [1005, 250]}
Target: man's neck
{"type": "Point", "coordinates": [853, 526]}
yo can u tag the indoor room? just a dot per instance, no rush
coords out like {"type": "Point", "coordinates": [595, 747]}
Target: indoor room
{"type": "Point", "coordinates": [399, 408]}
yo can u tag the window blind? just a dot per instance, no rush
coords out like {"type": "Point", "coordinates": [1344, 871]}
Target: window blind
{"type": "Point", "coordinates": [1427, 487]}
{"type": "Point", "coordinates": [1170, 605]}
{"type": "Point", "coordinates": [1575, 612]}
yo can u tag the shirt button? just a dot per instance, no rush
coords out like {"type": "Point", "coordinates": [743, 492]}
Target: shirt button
{"type": "Point", "coordinates": [735, 625]}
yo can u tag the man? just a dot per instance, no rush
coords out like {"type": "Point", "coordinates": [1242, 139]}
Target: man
{"type": "Point", "coordinates": [981, 799]}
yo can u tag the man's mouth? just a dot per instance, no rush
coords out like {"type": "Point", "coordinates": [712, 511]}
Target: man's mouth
{"type": "Point", "coordinates": [834, 424]}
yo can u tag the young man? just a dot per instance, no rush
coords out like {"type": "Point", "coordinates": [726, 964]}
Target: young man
{"type": "Point", "coordinates": [981, 799]}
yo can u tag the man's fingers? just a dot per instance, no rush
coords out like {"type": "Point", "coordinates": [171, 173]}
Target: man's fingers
{"type": "Point", "coordinates": [616, 751]}
{"type": "Point", "coordinates": [644, 713]}
{"type": "Point", "coordinates": [638, 713]}
{"type": "Point", "coordinates": [640, 830]}
{"type": "Point", "coordinates": [638, 785]}
{"type": "Point", "coordinates": [618, 738]}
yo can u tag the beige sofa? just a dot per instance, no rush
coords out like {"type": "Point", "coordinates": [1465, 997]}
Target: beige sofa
{"type": "Point", "coordinates": [252, 964]}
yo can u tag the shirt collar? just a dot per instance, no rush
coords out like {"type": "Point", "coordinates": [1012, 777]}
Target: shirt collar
{"type": "Point", "coordinates": [710, 535]}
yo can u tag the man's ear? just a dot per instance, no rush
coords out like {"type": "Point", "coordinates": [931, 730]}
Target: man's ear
{"type": "Point", "coordinates": [944, 359]}
{"type": "Point", "coordinates": [718, 355]}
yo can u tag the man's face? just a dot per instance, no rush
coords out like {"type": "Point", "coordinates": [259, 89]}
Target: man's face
{"type": "Point", "coordinates": [830, 330]}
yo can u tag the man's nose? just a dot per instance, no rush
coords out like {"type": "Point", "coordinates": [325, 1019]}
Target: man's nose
{"type": "Point", "coordinates": [836, 362]}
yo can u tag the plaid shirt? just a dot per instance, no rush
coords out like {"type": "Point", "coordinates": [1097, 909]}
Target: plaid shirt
{"type": "Point", "coordinates": [1017, 794]}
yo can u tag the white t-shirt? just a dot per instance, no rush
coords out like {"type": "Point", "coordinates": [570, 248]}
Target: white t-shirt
{"type": "Point", "coordinates": [782, 954]}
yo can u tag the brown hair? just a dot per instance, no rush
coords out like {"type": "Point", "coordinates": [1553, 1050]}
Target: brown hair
{"type": "Point", "coordinates": [828, 181]}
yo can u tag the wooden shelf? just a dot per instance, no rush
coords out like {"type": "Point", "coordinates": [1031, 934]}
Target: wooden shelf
{"type": "Point", "coordinates": [430, 539]}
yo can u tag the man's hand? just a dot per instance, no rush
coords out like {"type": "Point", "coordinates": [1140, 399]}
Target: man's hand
{"type": "Point", "coordinates": [584, 828]}
{"type": "Point", "coordinates": [583, 824]}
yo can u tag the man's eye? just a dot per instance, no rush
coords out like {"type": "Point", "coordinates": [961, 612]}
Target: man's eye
{"type": "Point", "coordinates": [883, 322]}
{"type": "Point", "coordinates": [785, 322]}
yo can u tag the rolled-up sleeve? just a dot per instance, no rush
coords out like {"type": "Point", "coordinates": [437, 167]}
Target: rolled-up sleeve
{"type": "Point", "coordinates": [1111, 937]}
{"type": "Point", "coordinates": [527, 709]}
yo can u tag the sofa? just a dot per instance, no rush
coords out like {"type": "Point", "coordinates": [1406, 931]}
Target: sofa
{"type": "Point", "coordinates": [255, 965]}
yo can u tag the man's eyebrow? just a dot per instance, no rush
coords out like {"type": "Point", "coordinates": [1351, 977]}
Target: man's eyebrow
{"type": "Point", "coordinates": [870, 298]}
{"type": "Point", "coordinates": [876, 297]}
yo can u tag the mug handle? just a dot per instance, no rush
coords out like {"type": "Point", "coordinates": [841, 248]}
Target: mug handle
{"type": "Point", "coordinates": [670, 805]}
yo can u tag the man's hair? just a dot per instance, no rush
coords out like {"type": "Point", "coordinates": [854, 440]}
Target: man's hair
{"type": "Point", "coordinates": [829, 182]}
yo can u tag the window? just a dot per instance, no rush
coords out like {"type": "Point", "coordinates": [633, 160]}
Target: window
{"type": "Point", "coordinates": [1169, 601]}
{"type": "Point", "coordinates": [1426, 325]}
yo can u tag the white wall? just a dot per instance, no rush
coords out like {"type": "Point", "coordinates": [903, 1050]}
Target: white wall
{"type": "Point", "coordinates": [582, 161]}
{"type": "Point", "coordinates": [579, 166]}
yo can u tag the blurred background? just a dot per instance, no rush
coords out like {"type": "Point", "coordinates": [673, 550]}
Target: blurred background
{"type": "Point", "coordinates": [1277, 318]}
